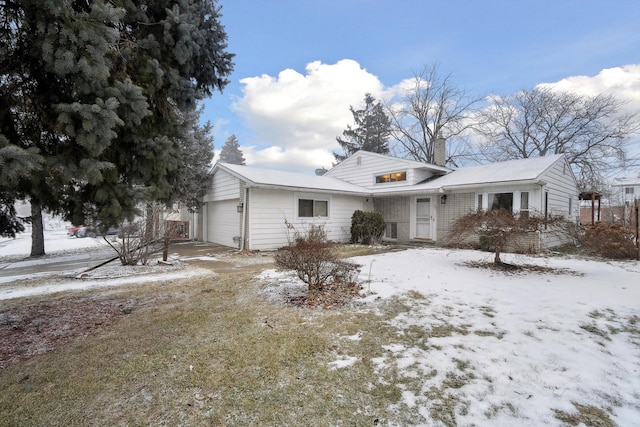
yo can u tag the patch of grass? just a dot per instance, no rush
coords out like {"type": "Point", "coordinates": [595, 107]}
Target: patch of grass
{"type": "Point", "coordinates": [593, 329]}
{"type": "Point", "coordinates": [447, 330]}
{"type": "Point", "coordinates": [484, 333]}
{"type": "Point", "coordinates": [494, 409]}
{"type": "Point", "coordinates": [195, 355]}
{"type": "Point", "coordinates": [462, 365]}
{"type": "Point", "coordinates": [588, 415]}
{"type": "Point", "coordinates": [488, 311]}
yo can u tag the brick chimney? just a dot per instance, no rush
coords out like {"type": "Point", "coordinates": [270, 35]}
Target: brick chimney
{"type": "Point", "coordinates": [439, 151]}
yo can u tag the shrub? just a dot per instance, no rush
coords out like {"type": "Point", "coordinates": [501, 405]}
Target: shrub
{"type": "Point", "coordinates": [366, 227]}
{"type": "Point", "coordinates": [315, 260]}
{"type": "Point", "coordinates": [496, 228]}
{"type": "Point", "coordinates": [609, 240]}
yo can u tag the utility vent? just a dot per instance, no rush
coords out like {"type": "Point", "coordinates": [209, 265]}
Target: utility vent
{"type": "Point", "coordinates": [236, 239]}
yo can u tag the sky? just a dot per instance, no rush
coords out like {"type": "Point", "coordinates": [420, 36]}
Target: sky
{"type": "Point", "coordinates": [300, 65]}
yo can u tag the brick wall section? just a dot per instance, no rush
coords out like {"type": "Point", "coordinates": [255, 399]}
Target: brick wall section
{"type": "Point", "coordinates": [457, 205]}
{"type": "Point", "coordinates": [395, 209]}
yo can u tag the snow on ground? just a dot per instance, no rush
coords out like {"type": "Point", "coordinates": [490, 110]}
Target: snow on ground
{"type": "Point", "coordinates": [55, 241]}
{"type": "Point", "coordinates": [62, 248]}
{"type": "Point", "coordinates": [502, 348]}
{"type": "Point", "coordinates": [508, 348]}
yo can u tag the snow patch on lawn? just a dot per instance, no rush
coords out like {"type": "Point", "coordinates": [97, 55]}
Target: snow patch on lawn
{"type": "Point", "coordinates": [498, 349]}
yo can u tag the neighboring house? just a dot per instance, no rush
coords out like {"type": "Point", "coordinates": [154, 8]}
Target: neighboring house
{"type": "Point", "coordinates": [249, 208]}
{"type": "Point", "coordinates": [625, 190]}
{"type": "Point", "coordinates": [618, 207]}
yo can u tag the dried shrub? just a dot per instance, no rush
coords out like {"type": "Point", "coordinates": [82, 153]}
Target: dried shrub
{"type": "Point", "coordinates": [315, 260]}
{"type": "Point", "coordinates": [496, 228]}
{"type": "Point", "coordinates": [609, 240]}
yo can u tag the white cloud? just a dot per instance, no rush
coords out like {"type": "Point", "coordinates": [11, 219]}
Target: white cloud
{"type": "Point", "coordinates": [621, 82]}
{"type": "Point", "coordinates": [298, 116]}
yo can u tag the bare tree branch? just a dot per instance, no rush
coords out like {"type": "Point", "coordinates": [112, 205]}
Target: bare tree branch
{"type": "Point", "coordinates": [432, 107]}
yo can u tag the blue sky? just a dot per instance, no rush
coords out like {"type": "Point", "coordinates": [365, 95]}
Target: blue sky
{"type": "Point", "coordinates": [301, 64]}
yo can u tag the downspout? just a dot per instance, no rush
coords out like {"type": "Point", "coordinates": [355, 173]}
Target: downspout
{"type": "Point", "coordinates": [243, 229]}
{"type": "Point", "coordinates": [542, 207]}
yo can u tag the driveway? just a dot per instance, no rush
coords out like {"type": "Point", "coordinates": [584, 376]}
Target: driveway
{"type": "Point", "coordinates": [197, 254]}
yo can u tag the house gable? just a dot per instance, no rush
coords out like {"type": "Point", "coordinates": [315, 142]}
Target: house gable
{"type": "Point", "coordinates": [375, 171]}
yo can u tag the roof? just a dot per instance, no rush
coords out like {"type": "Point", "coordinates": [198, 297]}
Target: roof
{"type": "Point", "coordinates": [626, 181]}
{"type": "Point", "coordinates": [511, 171]}
{"type": "Point", "coordinates": [258, 177]}
{"type": "Point", "coordinates": [521, 171]}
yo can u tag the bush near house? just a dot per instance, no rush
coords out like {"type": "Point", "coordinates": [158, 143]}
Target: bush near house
{"type": "Point", "coordinates": [609, 240]}
{"type": "Point", "coordinates": [316, 262]}
{"type": "Point", "coordinates": [366, 227]}
{"type": "Point", "coordinates": [496, 228]}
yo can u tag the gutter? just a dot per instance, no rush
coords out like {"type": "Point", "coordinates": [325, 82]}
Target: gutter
{"type": "Point", "coordinates": [493, 184]}
{"type": "Point", "coordinates": [308, 189]}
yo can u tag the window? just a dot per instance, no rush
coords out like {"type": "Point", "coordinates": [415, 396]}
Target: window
{"type": "Point", "coordinates": [524, 204]}
{"type": "Point", "coordinates": [391, 230]}
{"type": "Point", "coordinates": [479, 202]}
{"type": "Point", "coordinates": [628, 190]}
{"type": "Point", "coordinates": [310, 208]}
{"type": "Point", "coordinates": [391, 177]}
{"type": "Point", "coordinates": [501, 201]}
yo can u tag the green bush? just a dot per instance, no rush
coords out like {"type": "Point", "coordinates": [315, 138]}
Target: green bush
{"type": "Point", "coordinates": [366, 227]}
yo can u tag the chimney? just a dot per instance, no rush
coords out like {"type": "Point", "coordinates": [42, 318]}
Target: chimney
{"type": "Point", "coordinates": [439, 151]}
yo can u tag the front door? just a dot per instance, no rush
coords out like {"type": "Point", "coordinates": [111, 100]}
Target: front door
{"type": "Point", "coordinates": [423, 218]}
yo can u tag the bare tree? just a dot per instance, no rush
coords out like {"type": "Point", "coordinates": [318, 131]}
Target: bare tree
{"type": "Point", "coordinates": [431, 107]}
{"type": "Point", "coordinates": [591, 131]}
{"type": "Point", "coordinates": [499, 227]}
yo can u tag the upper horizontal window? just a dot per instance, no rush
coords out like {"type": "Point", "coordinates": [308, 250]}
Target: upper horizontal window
{"type": "Point", "coordinates": [391, 177]}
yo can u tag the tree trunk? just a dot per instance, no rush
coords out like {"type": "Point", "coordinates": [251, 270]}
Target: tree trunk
{"type": "Point", "coordinates": [37, 229]}
{"type": "Point", "coordinates": [496, 259]}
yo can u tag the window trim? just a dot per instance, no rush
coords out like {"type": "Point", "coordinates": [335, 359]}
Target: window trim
{"type": "Point", "coordinates": [314, 209]}
{"type": "Point", "coordinates": [390, 177]}
{"type": "Point", "coordinates": [492, 201]}
{"type": "Point", "coordinates": [390, 228]}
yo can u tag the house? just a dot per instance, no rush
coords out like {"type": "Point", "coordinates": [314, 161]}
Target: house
{"type": "Point", "coordinates": [619, 205]}
{"type": "Point", "coordinates": [249, 208]}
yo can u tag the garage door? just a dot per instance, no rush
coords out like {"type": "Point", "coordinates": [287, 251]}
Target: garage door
{"type": "Point", "coordinates": [223, 223]}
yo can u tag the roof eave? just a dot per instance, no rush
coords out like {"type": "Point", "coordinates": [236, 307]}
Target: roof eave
{"type": "Point", "coordinates": [535, 181]}
{"type": "Point", "coordinates": [363, 193]}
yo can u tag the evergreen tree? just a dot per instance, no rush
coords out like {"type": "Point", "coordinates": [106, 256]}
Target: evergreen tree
{"type": "Point", "coordinates": [100, 91]}
{"type": "Point", "coordinates": [371, 133]}
{"type": "Point", "coordinates": [231, 152]}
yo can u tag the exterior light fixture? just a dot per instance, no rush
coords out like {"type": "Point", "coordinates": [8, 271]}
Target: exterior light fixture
{"type": "Point", "coordinates": [240, 207]}
{"type": "Point", "coordinates": [443, 199]}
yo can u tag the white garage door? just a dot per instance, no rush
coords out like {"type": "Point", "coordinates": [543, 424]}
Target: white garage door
{"type": "Point", "coordinates": [223, 223]}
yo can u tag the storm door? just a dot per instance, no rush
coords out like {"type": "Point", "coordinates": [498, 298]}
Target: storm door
{"type": "Point", "coordinates": [423, 218]}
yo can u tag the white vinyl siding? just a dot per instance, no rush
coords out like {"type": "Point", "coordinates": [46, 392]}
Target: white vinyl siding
{"type": "Point", "coordinates": [223, 225]}
{"type": "Point", "coordinates": [561, 187]}
{"type": "Point", "coordinates": [223, 186]}
{"type": "Point", "coordinates": [363, 168]}
{"type": "Point", "coordinates": [270, 208]}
